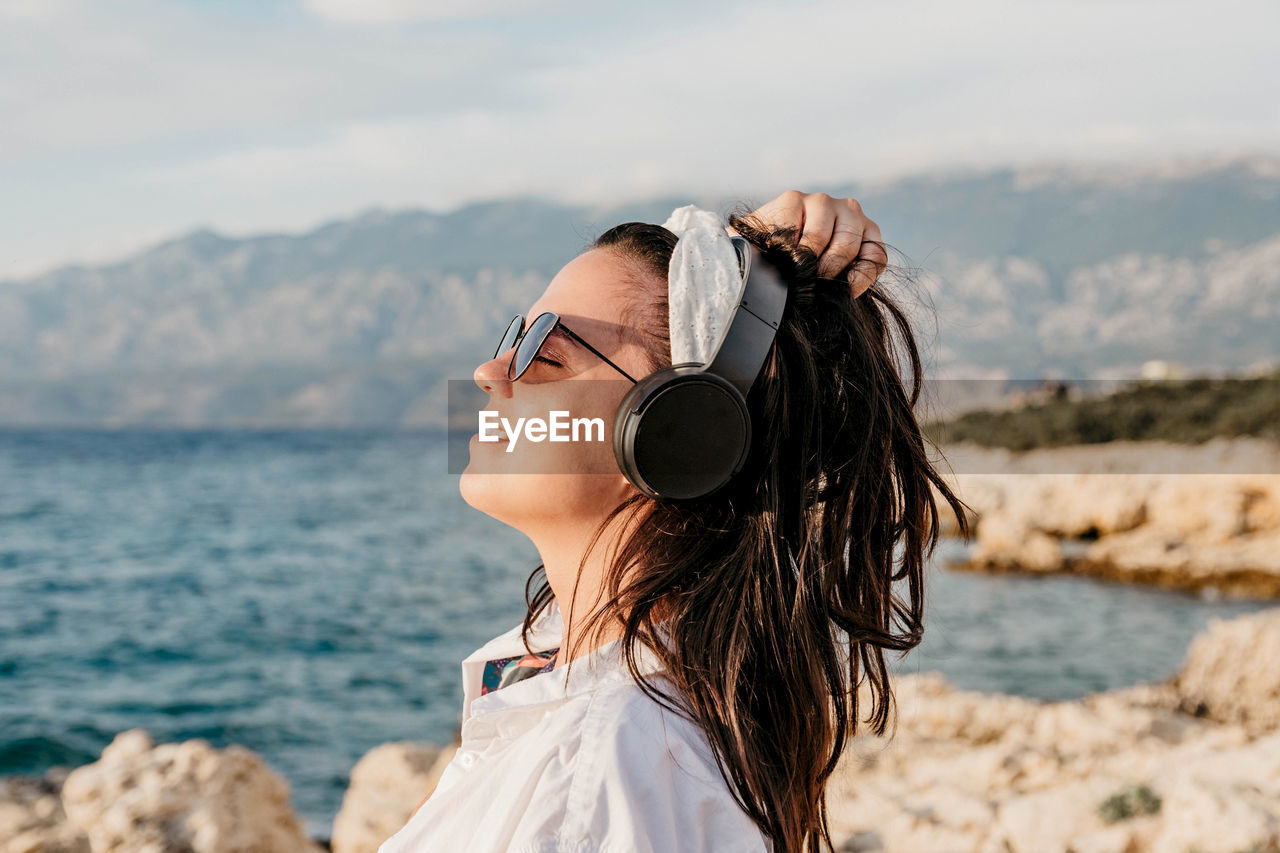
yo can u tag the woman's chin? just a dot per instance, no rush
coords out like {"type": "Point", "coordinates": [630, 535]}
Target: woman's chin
{"type": "Point", "coordinates": [480, 490]}
{"type": "Point", "coordinates": [502, 496]}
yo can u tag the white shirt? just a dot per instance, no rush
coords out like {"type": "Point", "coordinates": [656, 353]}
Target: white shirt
{"type": "Point", "coordinates": [591, 764]}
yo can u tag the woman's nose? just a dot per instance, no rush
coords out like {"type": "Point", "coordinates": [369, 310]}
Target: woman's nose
{"type": "Point", "coordinates": [492, 375]}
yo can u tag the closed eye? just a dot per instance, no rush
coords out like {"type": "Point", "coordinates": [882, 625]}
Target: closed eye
{"type": "Point", "coordinates": [547, 361]}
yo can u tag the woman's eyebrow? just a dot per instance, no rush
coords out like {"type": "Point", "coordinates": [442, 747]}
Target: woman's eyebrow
{"type": "Point", "coordinates": [619, 334]}
{"type": "Point", "coordinates": [560, 334]}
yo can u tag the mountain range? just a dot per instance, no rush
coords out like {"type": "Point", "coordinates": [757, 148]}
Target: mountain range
{"type": "Point", "coordinates": [1065, 271]}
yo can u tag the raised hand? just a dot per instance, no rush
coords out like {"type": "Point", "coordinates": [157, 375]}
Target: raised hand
{"type": "Point", "coordinates": [843, 237]}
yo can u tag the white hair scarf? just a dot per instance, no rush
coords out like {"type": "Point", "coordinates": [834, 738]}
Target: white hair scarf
{"type": "Point", "coordinates": [704, 285]}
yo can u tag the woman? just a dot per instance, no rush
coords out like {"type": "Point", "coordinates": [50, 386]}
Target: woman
{"type": "Point", "coordinates": [700, 682]}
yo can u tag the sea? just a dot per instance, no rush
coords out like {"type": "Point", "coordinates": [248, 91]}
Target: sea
{"type": "Point", "coordinates": [309, 594]}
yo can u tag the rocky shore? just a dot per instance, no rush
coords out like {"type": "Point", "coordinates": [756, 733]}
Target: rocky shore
{"type": "Point", "coordinates": [1190, 765]}
{"type": "Point", "coordinates": [1202, 518]}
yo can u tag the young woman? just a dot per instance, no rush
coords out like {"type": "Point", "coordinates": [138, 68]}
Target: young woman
{"type": "Point", "coordinates": [687, 674]}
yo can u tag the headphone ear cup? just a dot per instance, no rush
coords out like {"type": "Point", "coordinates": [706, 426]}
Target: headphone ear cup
{"type": "Point", "coordinates": [681, 433]}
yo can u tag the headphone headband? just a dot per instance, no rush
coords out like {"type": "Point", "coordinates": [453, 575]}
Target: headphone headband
{"type": "Point", "coordinates": [742, 352]}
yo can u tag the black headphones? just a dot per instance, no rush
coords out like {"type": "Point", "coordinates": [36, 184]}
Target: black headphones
{"type": "Point", "coordinates": [684, 431]}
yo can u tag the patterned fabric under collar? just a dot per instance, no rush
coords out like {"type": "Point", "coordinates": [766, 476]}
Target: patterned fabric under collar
{"type": "Point", "coordinates": [500, 672]}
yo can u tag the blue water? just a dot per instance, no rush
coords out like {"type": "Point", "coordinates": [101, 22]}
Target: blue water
{"type": "Point", "coordinates": [308, 594]}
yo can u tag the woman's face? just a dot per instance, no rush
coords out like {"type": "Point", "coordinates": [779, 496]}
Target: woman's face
{"type": "Point", "coordinates": [536, 483]}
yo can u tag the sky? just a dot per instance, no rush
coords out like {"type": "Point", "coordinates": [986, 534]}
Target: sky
{"type": "Point", "coordinates": [129, 122]}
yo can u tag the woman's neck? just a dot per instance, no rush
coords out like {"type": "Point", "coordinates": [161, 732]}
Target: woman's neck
{"type": "Point", "coordinates": [579, 596]}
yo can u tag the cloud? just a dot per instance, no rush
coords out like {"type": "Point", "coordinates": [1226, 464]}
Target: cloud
{"type": "Point", "coordinates": [403, 11]}
{"type": "Point", "coordinates": [34, 10]}
{"type": "Point", "coordinates": [155, 118]}
{"type": "Point", "coordinates": [141, 71]}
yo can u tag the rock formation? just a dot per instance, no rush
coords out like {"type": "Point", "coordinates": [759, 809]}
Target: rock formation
{"type": "Point", "coordinates": [32, 819]}
{"type": "Point", "coordinates": [143, 798]}
{"type": "Point", "coordinates": [387, 785]}
{"type": "Point", "coordinates": [1126, 771]}
{"type": "Point", "coordinates": [1203, 518]}
{"type": "Point", "coordinates": [1191, 765]}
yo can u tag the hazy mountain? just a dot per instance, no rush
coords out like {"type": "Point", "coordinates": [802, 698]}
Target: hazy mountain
{"type": "Point", "coordinates": [1068, 271]}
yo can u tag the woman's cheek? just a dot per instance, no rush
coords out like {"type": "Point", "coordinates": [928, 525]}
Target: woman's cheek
{"type": "Point", "coordinates": [591, 407]}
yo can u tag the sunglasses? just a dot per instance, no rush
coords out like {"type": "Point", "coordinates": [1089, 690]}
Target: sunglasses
{"type": "Point", "coordinates": [528, 343]}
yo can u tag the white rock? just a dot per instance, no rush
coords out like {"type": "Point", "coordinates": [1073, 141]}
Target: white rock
{"type": "Point", "coordinates": [182, 796]}
{"type": "Point", "coordinates": [387, 785]}
{"type": "Point", "coordinates": [1232, 671]}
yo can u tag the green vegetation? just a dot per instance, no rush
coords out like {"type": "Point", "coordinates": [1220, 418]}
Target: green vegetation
{"type": "Point", "coordinates": [1130, 801]}
{"type": "Point", "coordinates": [1188, 411]}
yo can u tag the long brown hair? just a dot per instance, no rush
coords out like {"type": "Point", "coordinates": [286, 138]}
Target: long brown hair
{"type": "Point", "coordinates": [778, 590]}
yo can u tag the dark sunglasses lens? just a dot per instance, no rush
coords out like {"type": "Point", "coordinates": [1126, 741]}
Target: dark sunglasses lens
{"type": "Point", "coordinates": [509, 337]}
{"type": "Point", "coordinates": [532, 342]}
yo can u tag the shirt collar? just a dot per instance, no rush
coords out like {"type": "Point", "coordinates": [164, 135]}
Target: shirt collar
{"type": "Point", "coordinates": [602, 666]}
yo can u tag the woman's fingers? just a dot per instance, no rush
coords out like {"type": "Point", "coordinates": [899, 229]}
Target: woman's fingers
{"type": "Point", "coordinates": [850, 231]}
{"type": "Point", "coordinates": [836, 230]}
{"type": "Point", "coordinates": [870, 262]}
{"type": "Point", "coordinates": [785, 211]}
{"type": "Point", "coordinates": [819, 219]}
